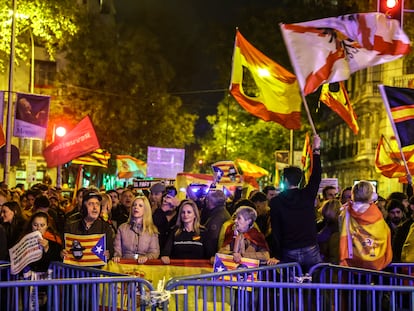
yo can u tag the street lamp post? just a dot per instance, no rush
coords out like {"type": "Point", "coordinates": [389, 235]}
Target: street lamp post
{"type": "Point", "coordinates": [7, 157]}
{"type": "Point", "coordinates": [59, 131]}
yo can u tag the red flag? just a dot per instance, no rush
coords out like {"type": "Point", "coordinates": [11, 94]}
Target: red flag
{"type": "Point", "coordinates": [331, 49]}
{"type": "Point", "coordinates": [2, 137]}
{"type": "Point", "coordinates": [336, 97]}
{"type": "Point", "coordinates": [129, 167]}
{"type": "Point", "coordinates": [79, 141]}
{"type": "Point", "coordinates": [272, 93]}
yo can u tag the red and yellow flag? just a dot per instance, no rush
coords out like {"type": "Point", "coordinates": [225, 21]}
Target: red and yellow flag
{"type": "Point", "coordinates": [336, 97]}
{"type": "Point", "coordinates": [99, 157]}
{"type": "Point", "coordinates": [250, 169]}
{"type": "Point", "coordinates": [365, 239]}
{"type": "Point", "coordinates": [263, 87]}
{"type": "Point", "coordinates": [129, 167]}
{"type": "Point", "coordinates": [307, 158]}
{"type": "Point", "coordinates": [85, 250]}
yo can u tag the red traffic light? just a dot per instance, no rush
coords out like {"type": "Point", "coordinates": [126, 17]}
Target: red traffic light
{"type": "Point", "coordinates": [393, 9]}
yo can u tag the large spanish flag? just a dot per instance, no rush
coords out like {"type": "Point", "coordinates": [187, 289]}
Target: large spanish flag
{"type": "Point", "coordinates": [365, 240]}
{"type": "Point", "coordinates": [263, 87]}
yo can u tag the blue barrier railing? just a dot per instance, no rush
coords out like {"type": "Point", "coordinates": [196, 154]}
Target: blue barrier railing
{"type": "Point", "coordinates": [72, 288]}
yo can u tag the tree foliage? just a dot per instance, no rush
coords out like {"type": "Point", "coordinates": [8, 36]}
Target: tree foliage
{"type": "Point", "coordinates": [51, 22]}
{"type": "Point", "coordinates": [118, 76]}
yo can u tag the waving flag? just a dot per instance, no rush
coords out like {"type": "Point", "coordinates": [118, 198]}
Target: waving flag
{"type": "Point", "coordinates": [99, 157]}
{"type": "Point", "coordinates": [129, 167]}
{"type": "Point", "coordinates": [307, 158]}
{"type": "Point", "coordinates": [263, 87]}
{"type": "Point", "coordinates": [331, 49]}
{"type": "Point", "coordinates": [336, 97]}
{"type": "Point", "coordinates": [389, 162]}
{"type": "Point", "coordinates": [399, 103]}
{"type": "Point", "coordinates": [85, 250]}
{"type": "Point", "coordinates": [250, 169]}
{"type": "Point", "coordinates": [79, 141]}
{"type": "Point", "coordinates": [229, 172]}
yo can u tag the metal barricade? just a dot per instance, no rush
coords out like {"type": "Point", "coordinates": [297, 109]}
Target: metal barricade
{"type": "Point", "coordinates": [72, 288]}
{"type": "Point", "coordinates": [236, 290]}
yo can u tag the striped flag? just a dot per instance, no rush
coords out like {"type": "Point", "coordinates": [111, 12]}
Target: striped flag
{"type": "Point", "coordinates": [263, 87]}
{"type": "Point", "coordinates": [307, 158]}
{"type": "Point", "coordinates": [250, 169]}
{"type": "Point", "coordinates": [99, 157]}
{"type": "Point", "coordinates": [229, 171]}
{"type": "Point", "coordinates": [85, 250]}
{"type": "Point", "coordinates": [2, 137]}
{"type": "Point", "coordinates": [335, 96]}
{"type": "Point", "coordinates": [223, 262]}
{"type": "Point", "coordinates": [365, 239]}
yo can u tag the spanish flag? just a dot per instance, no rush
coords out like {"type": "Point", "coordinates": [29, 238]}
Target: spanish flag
{"type": "Point", "coordinates": [307, 158]}
{"type": "Point", "coordinates": [263, 87]}
{"type": "Point", "coordinates": [365, 240]}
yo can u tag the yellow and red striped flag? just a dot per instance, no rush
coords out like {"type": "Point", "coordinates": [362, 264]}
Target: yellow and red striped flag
{"type": "Point", "coordinates": [250, 169]}
{"type": "Point", "coordinates": [85, 250]}
{"type": "Point", "coordinates": [129, 167]}
{"type": "Point", "coordinates": [307, 158]}
{"type": "Point", "coordinates": [272, 92]}
{"type": "Point", "coordinates": [99, 157]}
{"type": "Point", "coordinates": [365, 239]}
{"type": "Point", "coordinates": [336, 97]}
{"type": "Point", "coordinates": [223, 262]}
{"type": "Point", "coordinates": [225, 172]}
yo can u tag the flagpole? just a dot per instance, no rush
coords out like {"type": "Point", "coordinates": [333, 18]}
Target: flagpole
{"type": "Point", "coordinates": [394, 128]}
{"type": "Point", "coordinates": [295, 67]}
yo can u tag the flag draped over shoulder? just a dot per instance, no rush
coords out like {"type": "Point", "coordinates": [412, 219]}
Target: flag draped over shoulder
{"type": "Point", "coordinates": [388, 159]}
{"type": "Point", "coordinates": [129, 167]}
{"type": "Point", "coordinates": [263, 87]}
{"type": "Point", "coordinates": [223, 262]}
{"type": "Point", "coordinates": [85, 250]}
{"type": "Point", "coordinates": [336, 97]}
{"type": "Point", "coordinates": [331, 49]}
{"type": "Point", "coordinates": [79, 141]}
{"type": "Point", "coordinates": [399, 103]}
{"type": "Point", "coordinates": [365, 239]}
{"type": "Point", "coordinates": [307, 158]}
{"type": "Point", "coordinates": [99, 157]}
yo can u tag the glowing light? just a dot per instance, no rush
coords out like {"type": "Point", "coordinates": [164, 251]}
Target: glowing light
{"type": "Point", "coordinates": [263, 72]}
{"type": "Point", "coordinates": [60, 131]}
{"type": "Point", "coordinates": [391, 3]}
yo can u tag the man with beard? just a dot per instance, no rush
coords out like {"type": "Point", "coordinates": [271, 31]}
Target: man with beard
{"type": "Point", "coordinates": [395, 209]}
{"type": "Point", "coordinates": [121, 213]}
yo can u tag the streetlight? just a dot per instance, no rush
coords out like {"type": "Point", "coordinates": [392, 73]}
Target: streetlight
{"type": "Point", "coordinates": [59, 131]}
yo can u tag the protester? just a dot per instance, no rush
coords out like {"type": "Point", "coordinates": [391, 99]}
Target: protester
{"type": "Point", "coordinates": [12, 221]}
{"type": "Point", "coordinates": [186, 241]}
{"type": "Point", "coordinates": [165, 218]}
{"type": "Point", "coordinates": [365, 238]}
{"type": "Point", "coordinates": [293, 217]}
{"type": "Point", "coordinates": [138, 237]}
{"type": "Point", "coordinates": [328, 237]}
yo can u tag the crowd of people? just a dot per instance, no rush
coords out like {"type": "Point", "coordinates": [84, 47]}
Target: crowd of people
{"type": "Point", "coordinates": [295, 225]}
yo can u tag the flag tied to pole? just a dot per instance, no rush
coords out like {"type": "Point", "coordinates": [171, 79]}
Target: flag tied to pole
{"type": "Point", "coordinates": [80, 140]}
{"type": "Point", "coordinates": [263, 87]}
{"type": "Point", "coordinates": [331, 49]}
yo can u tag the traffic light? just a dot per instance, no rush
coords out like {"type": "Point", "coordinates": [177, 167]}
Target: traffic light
{"type": "Point", "coordinates": [392, 8]}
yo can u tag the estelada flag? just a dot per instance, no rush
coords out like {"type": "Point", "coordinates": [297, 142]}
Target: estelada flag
{"type": "Point", "coordinates": [80, 140]}
{"type": "Point", "coordinates": [224, 262]}
{"type": "Point", "coordinates": [85, 250]}
{"type": "Point", "coordinates": [331, 49]}
{"type": "Point", "coordinates": [99, 157]}
{"type": "Point", "coordinates": [129, 167]}
{"type": "Point", "coordinates": [263, 87]}
{"type": "Point", "coordinates": [227, 170]}
{"type": "Point", "coordinates": [336, 97]}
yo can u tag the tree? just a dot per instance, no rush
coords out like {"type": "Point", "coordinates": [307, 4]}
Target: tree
{"type": "Point", "coordinates": [120, 79]}
{"type": "Point", "coordinates": [51, 23]}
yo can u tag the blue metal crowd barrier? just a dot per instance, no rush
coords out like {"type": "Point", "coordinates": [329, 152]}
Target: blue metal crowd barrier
{"type": "Point", "coordinates": [327, 287]}
{"type": "Point", "coordinates": [72, 288]}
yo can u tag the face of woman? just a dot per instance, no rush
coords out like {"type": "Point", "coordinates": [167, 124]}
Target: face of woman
{"type": "Point", "coordinates": [137, 209]}
{"type": "Point", "coordinates": [7, 214]}
{"type": "Point", "coordinates": [242, 224]}
{"type": "Point", "coordinates": [39, 224]}
{"type": "Point", "coordinates": [187, 214]}
{"type": "Point", "coordinates": [93, 207]}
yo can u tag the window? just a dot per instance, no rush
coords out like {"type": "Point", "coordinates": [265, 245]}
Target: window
{"type": "Point", "coordinates": [45, 72]}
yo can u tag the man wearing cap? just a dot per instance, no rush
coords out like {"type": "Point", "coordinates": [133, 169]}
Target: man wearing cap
{"type": "Point", "coordinates": [155, 197]}
{"type": "Point", "coordinates": [90, 223]}
{"type": "Point", "coordinates": [395, 211]}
